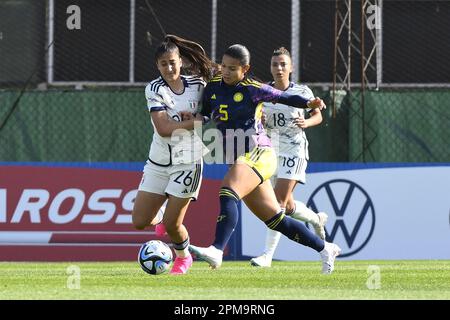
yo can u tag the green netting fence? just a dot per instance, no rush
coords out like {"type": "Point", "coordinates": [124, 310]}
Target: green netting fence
{"type": "Point", "coordinates": [409, 125]}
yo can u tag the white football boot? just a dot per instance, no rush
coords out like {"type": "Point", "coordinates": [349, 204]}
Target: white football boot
{"type": "Point", "coordinates": [264, 261]}
{"type": "Point", "coordinates": [328, 255]}
{"type": "Point", "coordinates": [211, 254]}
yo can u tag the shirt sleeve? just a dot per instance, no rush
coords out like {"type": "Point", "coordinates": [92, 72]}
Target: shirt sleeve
{"type": "Point", "coordinates": [265, 93]}
{"type": "Point", "coordinates": [261, 92]}
{"type": "Point", "coordinates": [155, 101]}
{"type": "Point", "coordinates": [307, 93]}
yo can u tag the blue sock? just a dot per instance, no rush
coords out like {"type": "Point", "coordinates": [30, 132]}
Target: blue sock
{"type": "Point", "coordinates": [295, 230]}
{"type": "Point", "coordinates": [228, 217]}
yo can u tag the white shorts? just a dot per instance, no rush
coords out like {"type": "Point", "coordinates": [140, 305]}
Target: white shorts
{"type": "Point", "coordinates": [181, 180]}
{"type": "Point", "coordinates": [292, 168]}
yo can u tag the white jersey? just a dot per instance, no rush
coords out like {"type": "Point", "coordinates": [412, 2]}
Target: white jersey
{"type": "Point", "coordinates": [182, 146]}
{"type": "Point", "coordinates": [291, 139]}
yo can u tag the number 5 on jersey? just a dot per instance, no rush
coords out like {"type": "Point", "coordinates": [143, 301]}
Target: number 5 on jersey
{"type": "Point", "coordinates": [224, 112]}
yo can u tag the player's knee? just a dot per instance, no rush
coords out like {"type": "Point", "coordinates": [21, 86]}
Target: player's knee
{"type": "Point", "coordinates": [139, 226]}
{"type": "Point", "coordinates": [282, 199]}
{"type": "Point", "coordinates": [289, 208]}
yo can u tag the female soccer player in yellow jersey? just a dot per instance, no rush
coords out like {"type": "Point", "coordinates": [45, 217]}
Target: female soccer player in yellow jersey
{"type": "Point", "coordinates": [289, 124]}
{"type": "Point", "coordinates": [234, 101]}
{"type": "Point", "coordinates": [174, 167]}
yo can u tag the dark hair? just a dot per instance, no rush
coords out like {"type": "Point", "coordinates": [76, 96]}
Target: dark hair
{"type": "Point", "coordinates": [239, 52]}
{"type": "Point", "coordinates": [199, 63]}
{"type": "Point", "coordinates": [281, 51]}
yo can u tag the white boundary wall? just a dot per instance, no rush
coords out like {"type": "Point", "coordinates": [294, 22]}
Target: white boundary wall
{"type": "Point", "coordinates": [407, 207]}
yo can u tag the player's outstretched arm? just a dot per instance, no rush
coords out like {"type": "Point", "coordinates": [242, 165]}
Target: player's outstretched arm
{"type": "Point", "coordinates": [298, 101]}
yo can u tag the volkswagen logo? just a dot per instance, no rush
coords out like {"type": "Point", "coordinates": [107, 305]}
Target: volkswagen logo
{"type": "Point", "coordinates": [351, 214]}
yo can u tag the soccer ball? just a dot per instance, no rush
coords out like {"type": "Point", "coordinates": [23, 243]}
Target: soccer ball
{"type": "Point", "coordinates": [155, 257]}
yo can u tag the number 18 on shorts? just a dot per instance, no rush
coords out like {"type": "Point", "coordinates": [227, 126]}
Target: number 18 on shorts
{"type": "Point", "coordinates": [292, 168]}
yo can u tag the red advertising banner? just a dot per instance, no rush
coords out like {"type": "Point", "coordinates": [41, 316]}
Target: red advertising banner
{"type": "Point", "coordinates": [74, 213]}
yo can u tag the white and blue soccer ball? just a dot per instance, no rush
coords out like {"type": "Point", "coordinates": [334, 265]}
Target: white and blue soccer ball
{"type": "Point", "coordinates": [155, 257]}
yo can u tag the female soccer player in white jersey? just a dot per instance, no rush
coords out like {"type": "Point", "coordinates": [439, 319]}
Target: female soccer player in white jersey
{"type": "Point", "coordinates": [173, 171]}
{"type": "Point", "coordinates": [293, 156]}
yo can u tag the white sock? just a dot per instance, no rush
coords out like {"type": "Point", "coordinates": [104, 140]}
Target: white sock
{"type": "Point", "coordinates": [181, 249]}
{"type": "Point", "coordinates": [272, 239]}
{"type": "Point", "coordinates": [160, 214]}
{"type": "Point", "coordinates": [302, 212]}
{"type": "Point", "coordinates": [182, 253]}
{"type": "Point", "coordinates": [325, 245]}
{"type": "Point", "coordinates": [216, 249]}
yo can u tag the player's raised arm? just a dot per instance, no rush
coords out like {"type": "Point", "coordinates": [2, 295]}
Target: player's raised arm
{"type": "Point", "coordinates": [298, 101]}
{"type": "Point", "coordinates": [267, 93]}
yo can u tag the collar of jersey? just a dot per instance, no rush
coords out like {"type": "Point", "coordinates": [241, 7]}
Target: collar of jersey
{"type": "Point", "coordinates": [185, 84]}
{"type": "Point", "coordinates": [291, 85]}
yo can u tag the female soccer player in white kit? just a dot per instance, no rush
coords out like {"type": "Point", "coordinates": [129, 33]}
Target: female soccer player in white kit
{"type": "Point", "coordinates": [173, 171]}
{"type": "Point", "coordinates": [293, 156]}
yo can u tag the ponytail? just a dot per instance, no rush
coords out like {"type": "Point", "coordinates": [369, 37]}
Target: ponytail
{"type": "Point", "coordinates": [194, 55]}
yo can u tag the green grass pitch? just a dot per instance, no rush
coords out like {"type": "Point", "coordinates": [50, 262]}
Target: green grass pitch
{"type": "Point", "coordinates": [234, 280]}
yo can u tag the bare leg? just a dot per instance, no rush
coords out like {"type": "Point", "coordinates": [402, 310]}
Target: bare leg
{"type": "Point", "coordinates": [262, 201]}
{"type": "Point", "coordinates": [146, 206]}
{"type": "Point", "coordinates": [174, 216]}
{"type": "Point", "coordinates": [242, 179]}
{"type": "Point", "coordinates": [173, 221]}
{"type": "Point", "coordinates": [283, 191]}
